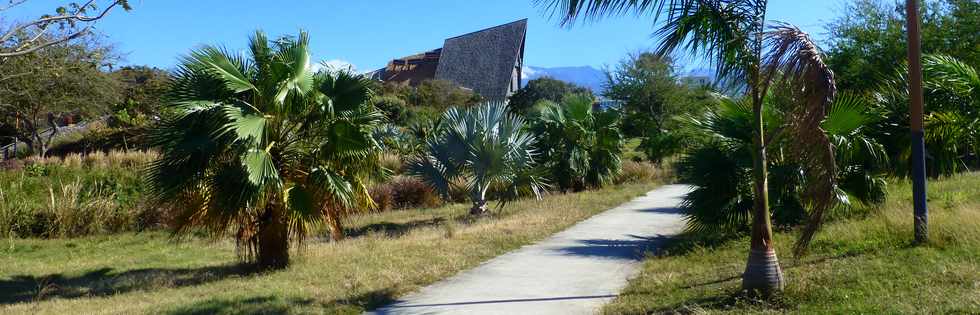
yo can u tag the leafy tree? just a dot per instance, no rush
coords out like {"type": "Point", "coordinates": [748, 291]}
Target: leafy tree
{"type": "Point", "coordinates": [482, 147]}
{"type": "Point", "coordinates": [441, 94]}
{"type": "Point", "coordinates": [70, 21]}
{"type": "Point", "coordinates": [264, 148]}
{"type": "Point", "coordinates": [653, 98]}
{"type": "Point", "coordinates": [721, 168]}
{"type": "Point", "coordinates": [48, 89]}
{"type": "Point", "coordinates": [734, 37]}
{"type": "Point", "coordinates": [867, 40]}
{"type": "Point", "coordinates": [648, 88]}
{"type": "Point", "coordinates": [143, 92]}
{"type": "Point", "coordinates": [544, 88]}
{"type": "Point", "coordinates": [581, 146]}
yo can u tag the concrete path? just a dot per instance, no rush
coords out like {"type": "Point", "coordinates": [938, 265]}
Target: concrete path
{"type": "Point", "coordinates": [573, 272]}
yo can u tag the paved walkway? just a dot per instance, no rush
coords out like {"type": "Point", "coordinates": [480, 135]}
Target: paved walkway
{"type": "Point", "coordinates": [573, 272]}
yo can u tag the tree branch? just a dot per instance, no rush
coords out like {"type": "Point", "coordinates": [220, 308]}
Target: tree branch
{"type": "Point", "coordinates": [31, 45]}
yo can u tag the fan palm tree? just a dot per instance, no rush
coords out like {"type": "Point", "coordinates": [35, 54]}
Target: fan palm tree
{"type": "Point", "coordinates": [581, 146]}
{"type": "Point", "coordinates": [483, 146]}
{"type": "Point", "coordinates": [733, 35]}
{"type": "Point", "coordinates": [262, 147]}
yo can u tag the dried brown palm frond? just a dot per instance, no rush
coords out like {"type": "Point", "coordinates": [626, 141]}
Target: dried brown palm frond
{"type": "Point", "coordinates": [795, 61]}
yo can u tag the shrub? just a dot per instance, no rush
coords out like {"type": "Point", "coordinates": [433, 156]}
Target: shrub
{"type": "Point", "coordinates": [404, 193]}
{"type": "Point", "coordinates": [396, 109]}
{"type": "Point", "coordinates": [634, 172]}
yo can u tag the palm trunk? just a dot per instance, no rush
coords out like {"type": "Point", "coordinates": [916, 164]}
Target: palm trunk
{"type": "Point", "coordinates": [273, 249]}
{"type": "Point", "coordinates": [479, 201]}
{"type": "Point", "coordinates": [762, 272]}
{"type": "Point", "coordinates": [335, 224]}
{"type": "Point", "coordinates": [479, 207]}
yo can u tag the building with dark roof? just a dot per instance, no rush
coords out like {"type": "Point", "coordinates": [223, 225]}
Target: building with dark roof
{"type": "Point", "coordinates": [488, 62]}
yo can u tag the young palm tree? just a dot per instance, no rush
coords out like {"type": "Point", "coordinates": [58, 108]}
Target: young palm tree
{"type": "Point", "coordinates": [483, 146]}
{"type": "Point", "coordinates": [952, 94]}
{"type": "Point", "coordinates": [720, 169]}
{"type": "Point", "coordinates": [582, 147]}
{"type": "Point", "coordinates": [262, 147]}
{"type": "Point", "coordinates": [733, 35]}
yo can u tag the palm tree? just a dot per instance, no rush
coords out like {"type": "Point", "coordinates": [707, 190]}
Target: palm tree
{"type": "Point", "coordinates": [952, 97]}
{"type": "Point", "coordinates": [720, 169]}
{"type": "Point", "coordinates": [484, 147]}
{"type": "Point", "coordinates": [580, 146]}
{"type": "Point", "coordinates": [262, 147]}
{"type": "Point", "coordinates": [733, 35]}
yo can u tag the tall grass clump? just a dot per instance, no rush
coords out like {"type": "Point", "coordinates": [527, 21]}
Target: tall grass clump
{"type": "Point", "coordinates": [76, 195]}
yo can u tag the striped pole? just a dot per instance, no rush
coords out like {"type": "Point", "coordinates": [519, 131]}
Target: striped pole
{"type": "Point", "coordinates": [918, 163]}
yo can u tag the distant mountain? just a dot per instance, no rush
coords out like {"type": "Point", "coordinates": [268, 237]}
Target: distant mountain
{"type": "Point", "coordinates": [585, 76]}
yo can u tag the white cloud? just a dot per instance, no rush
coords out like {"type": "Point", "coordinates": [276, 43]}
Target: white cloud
{"type": "Point", "coordinates": [527, 72]}
{"type": "Point", "coordinates": [335, 65]}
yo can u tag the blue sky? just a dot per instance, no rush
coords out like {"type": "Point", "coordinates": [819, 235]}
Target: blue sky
{"type": "Point", "coordinates": [368, 33]}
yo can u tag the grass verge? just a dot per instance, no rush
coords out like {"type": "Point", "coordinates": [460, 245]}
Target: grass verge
{"type": "Point", "coordinates": [389, 254]}
{"type": "Point", "coordinates": [864, 265]}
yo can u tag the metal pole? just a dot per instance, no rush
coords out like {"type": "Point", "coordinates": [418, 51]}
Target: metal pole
{"type": "Point", "coordinates": [918, 162]}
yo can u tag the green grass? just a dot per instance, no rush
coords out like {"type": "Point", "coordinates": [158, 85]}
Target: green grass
{"type": "Point", "coordinates": [866, 264]}
{"type": "Point", "coordinates": [390, 254]}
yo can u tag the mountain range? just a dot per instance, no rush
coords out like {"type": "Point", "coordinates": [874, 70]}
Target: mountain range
{"type": "Point", "coordinates": [585, 76]}
{"type": "Point", "coordinates": [593, 78]}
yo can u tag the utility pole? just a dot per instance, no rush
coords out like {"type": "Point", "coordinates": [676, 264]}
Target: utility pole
{"type": "Point", "coordinates": [921, 211]}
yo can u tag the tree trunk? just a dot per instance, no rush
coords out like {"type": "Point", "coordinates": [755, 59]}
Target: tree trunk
{"type": "Point", "coordinates": [479, 207]}
{"type": "Point", "coordinates": [335, 224]}
{"type": "Point", "coordinates": [762, 272]}
{"type": "Point", "coordinates": [273, 249]}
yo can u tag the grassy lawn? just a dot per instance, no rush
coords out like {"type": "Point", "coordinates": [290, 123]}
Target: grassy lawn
{"type": "Point", "coordinates": [389, 254]}
{"type": "Point", "coordinates": [861, 265]}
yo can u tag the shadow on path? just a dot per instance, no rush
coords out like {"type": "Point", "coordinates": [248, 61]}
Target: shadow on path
{"type": "Point", "coordinates": [103, 282]}
{"type": "Point", "coordinates": [630, 249]}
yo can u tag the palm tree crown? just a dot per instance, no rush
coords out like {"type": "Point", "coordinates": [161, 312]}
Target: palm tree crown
{"type": "Point", "coordinates": [483, 147]}
{"type": "Point", "coordinates": [262, 146]}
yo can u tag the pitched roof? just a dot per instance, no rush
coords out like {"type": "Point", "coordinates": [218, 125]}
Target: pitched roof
{"type": "Point", "coordinates": [484, 60]}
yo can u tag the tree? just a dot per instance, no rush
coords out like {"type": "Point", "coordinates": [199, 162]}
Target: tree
{"type": "Point", "coordinates": [482, 147]}
{"type": "Point", "coordinates": [866, 41]}
{"type": "Point", "coordinates": [263, 147]}
{"type": "Point", "coordinates": [544, 88]}
{"type": "Point", "coordinates": [580, 146]}
{"type": "Point", "coordinates": [72, 21]}
{"type": "Point", "coordinates": [733, 36]}
{"type": "Point", "coordinates": [143, 90]}
{"type": "Point", "coordinates": [441, 94]}
{"type": "Point", "coordinates": [653, 98]}
{"type": "Point", "coordinates": [54, 85]}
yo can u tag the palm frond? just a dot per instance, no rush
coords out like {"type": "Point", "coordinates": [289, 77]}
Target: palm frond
{"type": "Point", "coordinates": [796, 58]}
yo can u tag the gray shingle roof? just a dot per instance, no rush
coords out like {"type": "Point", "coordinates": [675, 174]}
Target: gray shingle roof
{"type": "Point", "coordinates": [484, 60]}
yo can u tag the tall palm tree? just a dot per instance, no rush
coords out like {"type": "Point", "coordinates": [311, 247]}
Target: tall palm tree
{"type": "Point", "coordinates": [733, 35]}
{"type": "Point", "coordinates": [581, 146]}
{"type": "Point", "coordinates": [262, 147]}
{"type": "Point", "coordinates": [484, 146]}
